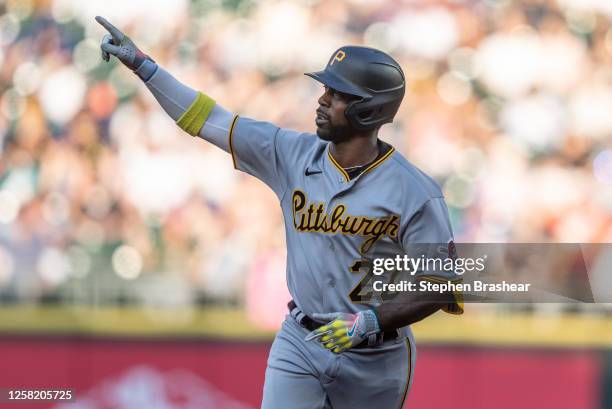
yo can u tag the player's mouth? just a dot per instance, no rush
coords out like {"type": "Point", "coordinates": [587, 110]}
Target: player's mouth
{"type": "Point", "coordinates": [321, 119]}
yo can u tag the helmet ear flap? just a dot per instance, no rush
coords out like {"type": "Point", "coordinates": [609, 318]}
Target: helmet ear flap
{"type": "Point", "coordinates": [368, 114]}
{"type": "Point", "coordinates": [352, 115]}
{"type": "Point", "coordinates": [362, 116]}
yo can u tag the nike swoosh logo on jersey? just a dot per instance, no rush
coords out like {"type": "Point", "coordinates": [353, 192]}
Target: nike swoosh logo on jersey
{"type": "Point", "coordinates": [312, 172]}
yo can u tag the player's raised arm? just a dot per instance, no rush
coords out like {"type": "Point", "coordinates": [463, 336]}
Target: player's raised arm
{"type": "Point", "coordinates": [193, 111]}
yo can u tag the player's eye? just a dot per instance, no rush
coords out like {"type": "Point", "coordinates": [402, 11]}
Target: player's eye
{"type": "Point", "coordinates": [332, 92]}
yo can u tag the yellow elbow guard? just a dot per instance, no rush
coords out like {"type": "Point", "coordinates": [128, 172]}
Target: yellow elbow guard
{"type": "Point", "coordinates": [194, 117]}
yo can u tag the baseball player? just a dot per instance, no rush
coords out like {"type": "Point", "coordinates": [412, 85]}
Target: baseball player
{"type": "Point", "coordinates": [347, 198]}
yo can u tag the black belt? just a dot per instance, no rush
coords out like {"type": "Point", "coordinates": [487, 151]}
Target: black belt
{"type": "Point", "coordinates": [310, 324]}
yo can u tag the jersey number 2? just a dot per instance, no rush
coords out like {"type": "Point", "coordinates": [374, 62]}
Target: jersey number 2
{"type": "Point", "coordinates": [364, 293]}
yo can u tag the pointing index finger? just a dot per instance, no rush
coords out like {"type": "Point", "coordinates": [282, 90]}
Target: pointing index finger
{"type": "Point", "coordinates": [114, 31]}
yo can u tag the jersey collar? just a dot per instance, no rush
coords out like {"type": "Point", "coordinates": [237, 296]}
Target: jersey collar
{"type": "Point", "coordinates": [370, 168]}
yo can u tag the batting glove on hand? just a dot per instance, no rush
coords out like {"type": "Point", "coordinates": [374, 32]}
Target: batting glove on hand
{"type": "Point", "coordinates": [344, 331]}
{"type": "Point", "coordinates": [120, 45]}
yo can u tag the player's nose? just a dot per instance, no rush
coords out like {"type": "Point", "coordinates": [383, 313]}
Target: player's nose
{"type": "Point", "coordinates": [324, 99]}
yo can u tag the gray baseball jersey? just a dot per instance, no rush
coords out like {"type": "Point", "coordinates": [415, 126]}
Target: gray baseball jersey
{"type": "Point", "coordinates": [331, 222]}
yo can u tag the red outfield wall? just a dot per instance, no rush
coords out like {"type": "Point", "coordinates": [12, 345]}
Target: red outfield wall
{"type": "Point", "coordinates": [113, 374]}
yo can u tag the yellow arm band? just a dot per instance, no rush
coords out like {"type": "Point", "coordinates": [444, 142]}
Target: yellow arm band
{"type": "Point", "coordinates": [193, 119]}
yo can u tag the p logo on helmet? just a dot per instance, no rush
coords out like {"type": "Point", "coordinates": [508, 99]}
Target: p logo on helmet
{"type": "Point", "coordinates": [340, 55]}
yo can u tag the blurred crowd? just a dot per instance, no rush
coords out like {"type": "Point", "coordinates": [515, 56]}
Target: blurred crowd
{"type": "Point", "coordinates": [104, 200]}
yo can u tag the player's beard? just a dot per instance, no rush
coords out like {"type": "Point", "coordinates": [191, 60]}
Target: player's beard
{"type": "Point", "coordinates": [335, 133]}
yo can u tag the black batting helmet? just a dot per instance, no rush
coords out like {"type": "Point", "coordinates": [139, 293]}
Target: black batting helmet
{"type": "Point", "coordinates": [370, 74]}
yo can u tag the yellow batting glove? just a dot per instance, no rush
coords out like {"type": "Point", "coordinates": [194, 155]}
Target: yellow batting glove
{"type": "Point", "coordinates": [344, 331]}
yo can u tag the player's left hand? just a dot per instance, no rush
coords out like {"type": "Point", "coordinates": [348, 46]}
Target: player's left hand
{"type": "Point", "coordinates": [344, 331]}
